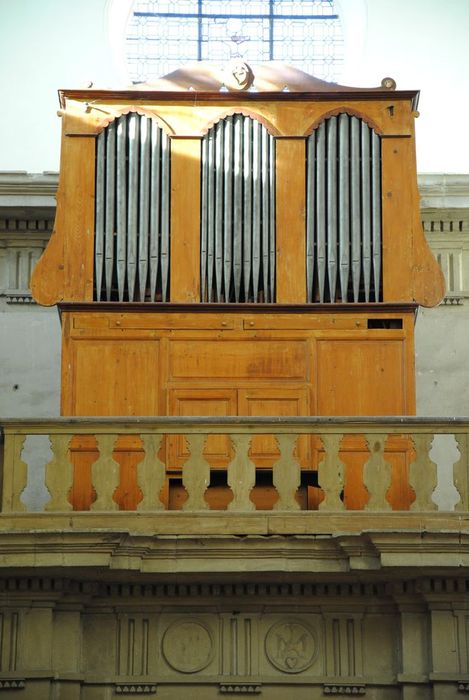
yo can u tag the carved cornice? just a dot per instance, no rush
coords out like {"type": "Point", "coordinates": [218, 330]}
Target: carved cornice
{"type": "Point", "coordinates": [23, 189]}
{"type": "Point", "coordinates": [312, 552]}
{"type": "Point", "coordinates": [443, 191]}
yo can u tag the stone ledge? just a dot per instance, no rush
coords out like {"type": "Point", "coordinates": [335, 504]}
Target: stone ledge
{"type": "Point", "coordinates": [155, 552]}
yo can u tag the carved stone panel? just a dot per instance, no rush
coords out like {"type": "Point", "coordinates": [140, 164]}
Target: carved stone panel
{"type": "Point", "coordinates": [188, 645]}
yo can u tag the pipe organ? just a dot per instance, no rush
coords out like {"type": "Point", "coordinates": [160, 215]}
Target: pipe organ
{"type": "Point", "coordinates": [222, 251]}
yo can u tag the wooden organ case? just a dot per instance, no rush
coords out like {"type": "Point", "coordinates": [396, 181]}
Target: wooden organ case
{"type": "Point", "coordinates": [227, 247]}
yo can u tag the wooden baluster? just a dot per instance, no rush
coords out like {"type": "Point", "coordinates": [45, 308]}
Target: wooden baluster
{"type": "Point", "coordinates": [151, 473]}
{"type": "Point", "coordinates": [461, 473]}
{"type": "Point", "coordinates": [59, 474]}
{"type": "Point", "coordinates": [241, 475]}
{"type": "Point", "coordinates": [15, 474]}
{"type": "Point", "coordinates": [331, 474]}
{"type": "Point", "coordinates": [286, 474]}
{"type": "Point", "coordinates": [196, 474]}
{"type": "Point", "coordinates": [105, 473]}
{"type": "Point", "coordinates": [377, 473]}
{"type": "Point", "coordinates": [423, 476]}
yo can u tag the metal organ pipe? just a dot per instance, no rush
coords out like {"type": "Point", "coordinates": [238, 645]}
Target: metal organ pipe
{"type": "Point", "coordinates": [343, 217]}
{"type": "Point", "coordinates": [132, 225]}
{"type": "Point", "coordinates": [238, 212]}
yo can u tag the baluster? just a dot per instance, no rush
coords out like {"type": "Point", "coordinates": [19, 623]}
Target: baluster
{"type": "Point", "coordinates": [286, 473]}
{"type": "Point", "coordinates": [461, 473]}
{"type": "Point", "coordinates": [423, 474]}
{"type": "Point", "coordinates": [59, 474]}
{"type": "Point", "coordinates": [196, 474]}
{"type": "Point", "coordinates": [151, 473]}
{"type": "Point", "coordinates": [15, 474]}
{"type": "Point", "coordinates": [376, 473]}
{"type": "Point", "coordinates": [331, 474]}
{"type": "Point", "coordinates": [105, 473]}
{"type": "Point", "coordinates": [241, 475]}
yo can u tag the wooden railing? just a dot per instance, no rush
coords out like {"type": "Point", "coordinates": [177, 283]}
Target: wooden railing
{"type": "Point", "coordinates": [235, 464]}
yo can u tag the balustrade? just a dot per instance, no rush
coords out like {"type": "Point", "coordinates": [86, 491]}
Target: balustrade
{"type": "Point", "coordinates": [327, 465]}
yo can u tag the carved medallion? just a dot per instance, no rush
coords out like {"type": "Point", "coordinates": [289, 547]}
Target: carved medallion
{"type": "Point", "coordinates": [188, 646]}
{"type": "Point", "coordinates": [238, 75]}
{"type": "Point", "coordinates": [290, 646]}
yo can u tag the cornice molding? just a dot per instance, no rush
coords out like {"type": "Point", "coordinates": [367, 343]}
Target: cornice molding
{"type": "Point", "coordinates": [443, 190]}
{"type": "Point", "coordinates": [23, 189]}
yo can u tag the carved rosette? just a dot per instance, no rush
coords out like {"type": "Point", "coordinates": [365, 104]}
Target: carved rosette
{"type": "Point", "coordinates": [290, 646]}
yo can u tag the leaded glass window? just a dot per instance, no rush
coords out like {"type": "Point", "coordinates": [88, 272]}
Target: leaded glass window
{"type": "Point", "coordinates": [162, 35]}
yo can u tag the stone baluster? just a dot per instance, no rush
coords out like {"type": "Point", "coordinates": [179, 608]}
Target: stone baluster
{"type": "Point", "coordinates": [105, 474]}
{"type": "Point", "coordinates": [241, 475]}
{"type": "Point", "coordinates": [196, 474]}
{"type": "Point", "coordinates": [15, 476]}
{"type": "Point", "coordinates": [423, 474]}
{"type": "Point", "coordinates": [59, 474]}
{"type": "Point", "coordinates": [286, 473]}
{"type": "Point", "coordinates": [377, 473]}
{"type": "Point", "coordinates": [151, 473]}
{"type": "Point", "coordinates": [331, 474]}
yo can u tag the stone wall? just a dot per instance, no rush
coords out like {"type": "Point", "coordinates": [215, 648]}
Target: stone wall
{"type": "Point", "coordinates": [381, 640]}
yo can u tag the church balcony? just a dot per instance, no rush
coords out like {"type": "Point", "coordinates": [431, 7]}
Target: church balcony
{"type": "Point", "coordinates": [191, 495]}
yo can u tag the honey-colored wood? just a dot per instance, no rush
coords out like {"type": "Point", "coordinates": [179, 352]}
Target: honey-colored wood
{"type": "Point", "coordinates": [290, 221]}
{"type": "Point", "coordinates": [185, 220]}
{"type": "Point", "coordinates": [361, 376]}
{"type": "Point", "coordinates": [397, 225]}
{"type": "Point", "coordinates": [186, 358]}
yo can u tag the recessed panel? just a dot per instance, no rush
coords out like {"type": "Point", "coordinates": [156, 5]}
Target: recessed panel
{"type": "Point", "coordinates": [243, 359]}
{"type": "Point", "coordinates": [361, 377]}
{"type": "Point", "coordinates": [115, 378]}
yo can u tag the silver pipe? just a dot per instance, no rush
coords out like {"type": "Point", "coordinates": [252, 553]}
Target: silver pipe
{"type": "Point", "coordinates": [355, 205]}
{"type": "Point", "coordinates": [237, 204]}
{"type": "Point", "coordinates": [256, 208]}
{"type": "Point", "coordinates": [228, 206]}
{"type": "Point", "coordinates": [110, 225]}
{"type": "Point", "coordinates": [121, 204]}
{"type": "Point", "coordinates": [144, 205]}
{"type": "Point", "coordinates": [321, 253]}
{"type": "Point", "coordinates": [132, 209]}
{"type": "Point", "coordinates": [366, 207]}
{"type": "Point", "coordinates": [211, 212]}
{"type": "Point", "coordinates": [247, 205]}
{"type": "Point", "coordinates": [332, 205]}
{"type": "Point", "coordinates": [219, 207]}
{"type": "Point", "coordinates": [265, 218]}
{"type": "Point", "coordinates": [344, 206]}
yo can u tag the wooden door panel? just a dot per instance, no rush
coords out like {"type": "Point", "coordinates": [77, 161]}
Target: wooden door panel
{"type": "Point", "coordinates": [201, 402]}
{"type": "Point", "coordinates": [115, 378]}
{"type": "Point", "coordinates": [274, 402]}
{"type": "Point", "coordinates": [361, 377]}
